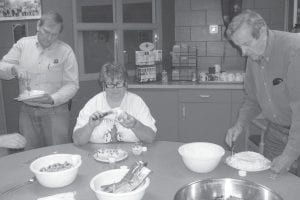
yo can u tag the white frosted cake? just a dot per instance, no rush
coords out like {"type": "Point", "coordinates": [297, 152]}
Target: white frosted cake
{"type": "Point", "coordinates": [31, 93]}
{"type": "Point", "coordinates": [248, 161]}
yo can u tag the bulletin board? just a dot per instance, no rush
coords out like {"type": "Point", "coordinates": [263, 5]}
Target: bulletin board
{"type": "Point", "coordinates": [20, 9]}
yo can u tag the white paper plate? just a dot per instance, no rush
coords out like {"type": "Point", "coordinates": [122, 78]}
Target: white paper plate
{"type": "Point", "coordinates": [248, 161]}
{"type": "Point", "coordinates": [108, 154]}
{"type": "Point", "coordinates": [251, 168]}
{"type": "Point", "coordinates": [20, 98]}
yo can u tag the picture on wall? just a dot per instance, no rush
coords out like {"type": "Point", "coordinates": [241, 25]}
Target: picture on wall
{"type": "Point", "coordinates": [20, 9]}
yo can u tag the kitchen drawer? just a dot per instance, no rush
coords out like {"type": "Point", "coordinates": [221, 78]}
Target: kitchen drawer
{"type": "Point", "coordinates": [203, 95]}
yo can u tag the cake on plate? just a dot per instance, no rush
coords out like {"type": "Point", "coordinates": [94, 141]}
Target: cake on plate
{"type": "Point", "coordinates": [248, 161]}
{"type": "Point", "coordinates": [31, 94]}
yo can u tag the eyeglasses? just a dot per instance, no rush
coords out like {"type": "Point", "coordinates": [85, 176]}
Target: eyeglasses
{"type": "Point", "coordinates": [48, 33]}
{"type": "Point", "coordinates": [117, 85]}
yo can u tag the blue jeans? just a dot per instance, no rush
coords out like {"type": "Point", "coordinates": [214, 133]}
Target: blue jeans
{"type": "Point", "coordinates": [44, 126]}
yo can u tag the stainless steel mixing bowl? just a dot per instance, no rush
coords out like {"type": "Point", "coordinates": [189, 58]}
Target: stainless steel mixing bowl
{"type": "Point", "coordinates": [225, 189]}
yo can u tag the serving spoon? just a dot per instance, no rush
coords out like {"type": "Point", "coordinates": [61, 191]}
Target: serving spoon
{"type": "Point", "coordinates": [102, 115]}
{"type": "Point", "coordinates": [232, 147]}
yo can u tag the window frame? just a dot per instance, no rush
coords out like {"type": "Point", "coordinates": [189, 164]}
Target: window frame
{"type": "Point", "coordinates": [118, 27]}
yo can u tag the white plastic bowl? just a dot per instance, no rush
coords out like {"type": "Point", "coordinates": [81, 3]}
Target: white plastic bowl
{"type": "Point", "coordinates": [60, 178]}
{"type": "Point", "coordinates": [112, 176]}
{"type": "Point", "coordinates": [201, 157]}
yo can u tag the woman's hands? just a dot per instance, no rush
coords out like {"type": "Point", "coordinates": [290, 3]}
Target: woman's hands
{"type": "Point", "coordinates": [96, 118]}
{"type": "Point", "coordinates": [126, 120]}
{"type": "Point", "coordinates": [82, 135]}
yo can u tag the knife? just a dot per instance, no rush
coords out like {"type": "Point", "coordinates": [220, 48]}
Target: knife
{"type": "Point", "coordinates": [102, 115]}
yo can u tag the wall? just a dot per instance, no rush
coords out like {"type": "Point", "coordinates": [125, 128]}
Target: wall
{"type": "Point", "coordinates": [192, 20]}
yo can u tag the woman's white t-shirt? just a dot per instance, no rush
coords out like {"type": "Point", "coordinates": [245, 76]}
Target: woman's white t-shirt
{"type": "Point", "coordinates": [103, 133]}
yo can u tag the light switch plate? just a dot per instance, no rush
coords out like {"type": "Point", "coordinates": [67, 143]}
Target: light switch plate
{"type": "Point", "coordinates": [213, 29]}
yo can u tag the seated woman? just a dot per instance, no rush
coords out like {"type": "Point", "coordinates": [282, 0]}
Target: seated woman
{"type": "Point", "coordinates": [114, 114]}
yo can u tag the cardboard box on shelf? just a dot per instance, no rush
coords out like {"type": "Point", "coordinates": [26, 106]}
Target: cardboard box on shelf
{"type": "Point", "coordinates": [146, 73]}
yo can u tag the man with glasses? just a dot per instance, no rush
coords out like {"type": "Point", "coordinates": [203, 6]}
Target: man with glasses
{"type": "Point", "coordinates": [114, 114]}
{"type": "Point", "coordinates": [48, 78]}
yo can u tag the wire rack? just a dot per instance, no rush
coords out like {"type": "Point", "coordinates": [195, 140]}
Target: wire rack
{"type": "Point", "coordinates": [184, 64]}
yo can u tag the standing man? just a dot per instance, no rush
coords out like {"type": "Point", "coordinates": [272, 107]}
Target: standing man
{"type": "Point", "coordinates": [44, 63]}
{"type": "Point", "coordinates": [272, 86]}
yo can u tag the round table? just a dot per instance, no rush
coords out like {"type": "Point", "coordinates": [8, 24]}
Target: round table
{"type": "Point", "coordinates": [169, 172]}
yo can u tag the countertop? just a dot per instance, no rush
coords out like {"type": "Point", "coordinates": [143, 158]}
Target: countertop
{"type": "Point", "coordinates": [185, 85]}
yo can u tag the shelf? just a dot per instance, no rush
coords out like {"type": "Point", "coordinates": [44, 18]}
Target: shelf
{"type": "Point", "coordinates": [184, 74]}
{"type": "Point", "coordinates": [180, 66]}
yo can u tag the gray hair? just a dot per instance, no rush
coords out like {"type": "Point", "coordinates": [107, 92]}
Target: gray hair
{"type": "Point", "coordinates": [53, 17]}
{"type": "Point", "coordinates": [250, 18]}
{"type": "Point", "coordinates": [110, 71]}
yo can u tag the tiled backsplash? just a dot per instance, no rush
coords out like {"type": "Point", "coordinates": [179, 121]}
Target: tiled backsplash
{"type": "Point", "coordinates": [192, 20]}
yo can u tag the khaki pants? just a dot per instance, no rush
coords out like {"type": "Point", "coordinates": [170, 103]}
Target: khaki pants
{"type": "Point", "coordinates": [44, 126]}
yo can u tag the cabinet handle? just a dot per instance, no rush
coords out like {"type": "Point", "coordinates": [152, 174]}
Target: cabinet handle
{"type": "Point", "coordinates": [204, 95]}
{"type": "Point", "coordinates": [183, 111]}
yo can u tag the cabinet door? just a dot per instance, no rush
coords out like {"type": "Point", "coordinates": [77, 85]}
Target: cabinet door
{"type": "Point", "coordinates": [204, 122]}
{"type": "Point", "coordinates": [163, 105]}
{"type": "Point", "coordinates": [204, 115]}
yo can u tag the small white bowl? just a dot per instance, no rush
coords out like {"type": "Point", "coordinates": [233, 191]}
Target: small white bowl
{"type": "Point", "coordinates": [201, 157]}
{"type": "Point", "coordinates": [59, 178]}
{"type": "Point", "coordinates": [113, 176]}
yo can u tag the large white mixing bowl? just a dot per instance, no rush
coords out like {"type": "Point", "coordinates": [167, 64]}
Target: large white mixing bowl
{"type": "Point", "coordinates": [113, 176]}
{"type": "Point", "coordinates": [58, 178]}
{"type": "Point", "coordinates": [201, 157]}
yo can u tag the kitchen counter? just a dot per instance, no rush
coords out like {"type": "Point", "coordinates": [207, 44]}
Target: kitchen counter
{"type": "Point", "coordinates": [185, 85]}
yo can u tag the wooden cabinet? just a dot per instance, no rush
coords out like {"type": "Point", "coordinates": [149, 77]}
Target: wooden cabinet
{"type": "Point", "coordinates": [163, 105]}
{"type": "Point", "coordinates": [204, 115]}
{"type": "Point", "coordinates": [191, 115]}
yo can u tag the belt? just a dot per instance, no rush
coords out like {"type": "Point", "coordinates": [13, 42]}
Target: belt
{"type": "Point", "coordinates": [41, 107]}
